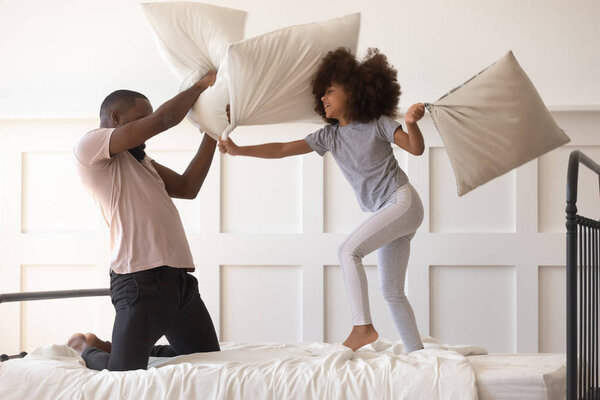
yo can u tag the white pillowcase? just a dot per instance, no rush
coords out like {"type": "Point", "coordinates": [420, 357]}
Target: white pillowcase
{"type": "Point", "coordinates": [493, 123]}
{"type": "Point", "coordinates": [193, 37]}
{"type": "Point", "coordinates": [266, 79]}
{"type": "Point", "coordinates": [270, 75]}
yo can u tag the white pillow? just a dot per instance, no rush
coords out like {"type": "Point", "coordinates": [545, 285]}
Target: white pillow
{"type": "Point", "coordinates": [493, 123]}
{"type": "Point", "coordinates": [266, 79]}
{"type": "Point", "coordinates": [270, 75]}
{"type": "Point", "coordinates": [208, 113]}
{"type": "Point", "coordinates": [193, 37]}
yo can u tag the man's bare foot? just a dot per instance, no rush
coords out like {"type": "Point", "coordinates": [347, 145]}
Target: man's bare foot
{"type": "Point", "coordinates": [79, 342]}
{"type": "Point", "coordinates": [360, 336]}
{"type": "Point", "coordinates": [93, 341]}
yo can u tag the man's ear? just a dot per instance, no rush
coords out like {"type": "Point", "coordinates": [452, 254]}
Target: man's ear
{"type": "Point", "coordinates": [115, 117]}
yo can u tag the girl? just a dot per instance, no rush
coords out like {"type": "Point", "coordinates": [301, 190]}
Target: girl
{"type": "Point", "coordinates": [358, 99]}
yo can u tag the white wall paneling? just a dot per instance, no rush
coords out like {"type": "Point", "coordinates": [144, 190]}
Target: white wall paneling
{"type": "Point", "coordinates": [51, 202]}
{"type": "Point", "coordinates": [552, 309]}
{"type": "Point", "coordinates": [261, 303]}
{"type": "Point", "coordinates": [1, 194]}
{"type": "Point", "coordinates": [269, 199]}
{"type": "Point", "coordinates": [474, 304]}
{"type": "Point", "coordinates": [491, 208]}
{"type": "Point", "coordinates": [248, 204]}
{"type": "Point", "coordinates": [264, 235]}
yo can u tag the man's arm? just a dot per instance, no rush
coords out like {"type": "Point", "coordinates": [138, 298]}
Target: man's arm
{"type": "Point", "coordinates": [166, 116]}
{"type": "Point", "coordinates": [188, 185]}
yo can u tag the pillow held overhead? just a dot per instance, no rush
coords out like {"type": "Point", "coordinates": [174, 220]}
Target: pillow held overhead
{"type": "Point", "coordinates": [493, 123]}
{"type": "Point", "coordinates": [266, 79]}
{"type": "Point", "coordinates": [193, 37]}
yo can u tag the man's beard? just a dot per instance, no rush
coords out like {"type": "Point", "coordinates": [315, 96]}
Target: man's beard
{"type": "Point", "coordinates": [138, 152]}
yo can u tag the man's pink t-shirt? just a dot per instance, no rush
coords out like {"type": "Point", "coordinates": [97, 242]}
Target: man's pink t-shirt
{"type": "Point", "coordinates": [145, 227]}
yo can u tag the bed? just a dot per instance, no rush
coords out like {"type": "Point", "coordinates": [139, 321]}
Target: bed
{"type": "Point", "coordinates": [380, 370]}
{"type": "Point", "coordinates": [583, 251]}
{"type": "Point", "coordinates": [322, 371]}
{"type": "Point", "coordinates": [295, 371]}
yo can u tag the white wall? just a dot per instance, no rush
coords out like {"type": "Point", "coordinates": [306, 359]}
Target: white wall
{"type": "Point", "coordinates": [61, 58]}
{"type": "Point", "coordinates": [485, 269]}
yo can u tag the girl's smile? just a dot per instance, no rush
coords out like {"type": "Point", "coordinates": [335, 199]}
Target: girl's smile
{"type": "Point", "coordinates": [335, 101]}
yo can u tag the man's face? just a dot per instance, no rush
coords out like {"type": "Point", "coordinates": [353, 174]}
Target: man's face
{"type": "Point", "coordinates": [141, 109]}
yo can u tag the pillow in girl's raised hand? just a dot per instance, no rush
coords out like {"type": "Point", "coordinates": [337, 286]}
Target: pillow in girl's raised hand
{"type": "Point", "coordinates": [494, 122]}
{"type": "Point", "coordinates": [270, 75]}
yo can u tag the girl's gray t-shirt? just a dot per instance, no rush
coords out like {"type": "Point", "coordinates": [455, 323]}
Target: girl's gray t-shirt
{"type": "Point", "coordinates": [364, 153]}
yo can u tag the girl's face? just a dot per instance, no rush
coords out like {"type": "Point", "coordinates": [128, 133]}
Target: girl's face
{"type": "Point", "coordinates": [335, 102]}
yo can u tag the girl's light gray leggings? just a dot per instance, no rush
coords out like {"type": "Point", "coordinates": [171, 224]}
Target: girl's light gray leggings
{"type": "Point", "coordinates": [389, 231]}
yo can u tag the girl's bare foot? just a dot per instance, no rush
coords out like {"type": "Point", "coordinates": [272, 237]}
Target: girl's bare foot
{"type": "Point", "coordinates": [360, 336]}
{"type": "Point", "coordinates": [79, 342]}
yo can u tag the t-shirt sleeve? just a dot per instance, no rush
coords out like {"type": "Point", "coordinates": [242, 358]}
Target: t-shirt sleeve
{"type": "Point", "coordinates": [386, 127]}
{"type": "Point", "coordinates": [94, 147]}
{"type": "Point", "coordinates": [320, 141]}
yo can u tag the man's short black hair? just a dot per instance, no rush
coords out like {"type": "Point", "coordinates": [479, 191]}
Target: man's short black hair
{"type": "Point", "coordinates": [121, 100]}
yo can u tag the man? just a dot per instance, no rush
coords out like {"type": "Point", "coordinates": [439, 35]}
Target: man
{"type": "Point", "coordinates": [150, 287]}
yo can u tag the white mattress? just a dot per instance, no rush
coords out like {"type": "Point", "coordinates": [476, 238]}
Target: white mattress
{"type": "Point", "coordinates": [520, 376]}
{"type": "Point", "coordinates": [288, 371]}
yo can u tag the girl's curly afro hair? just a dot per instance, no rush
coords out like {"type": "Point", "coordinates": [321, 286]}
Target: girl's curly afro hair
{"type": "Point", "coordinates": [371, 85]}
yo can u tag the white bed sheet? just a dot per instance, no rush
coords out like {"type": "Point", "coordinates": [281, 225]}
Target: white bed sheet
{"type": "Point", "coordinates": [520, 376]}
{"type": "Point", "coordinates": [283, 371]}
{"type": "Point", "coordinates": [253, 371]}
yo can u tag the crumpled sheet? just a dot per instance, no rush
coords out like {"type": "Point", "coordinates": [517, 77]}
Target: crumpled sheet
{"type": "Point", "coordinates": [300, 371]}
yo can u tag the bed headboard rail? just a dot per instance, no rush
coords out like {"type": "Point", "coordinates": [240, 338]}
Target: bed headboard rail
{"type": "Point", "coordinates": [583, 257]}
{"type": "Point", "coordinates": [54, 294]}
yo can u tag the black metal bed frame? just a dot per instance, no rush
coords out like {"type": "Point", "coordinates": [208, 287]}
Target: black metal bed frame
{"type": "Point", "coordinates": [583, 264]}
{"type": "Point", "coordinates": [55, 294]}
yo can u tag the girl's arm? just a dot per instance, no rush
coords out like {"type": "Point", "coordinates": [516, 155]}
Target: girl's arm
{"type": "Point", "coordinates": [267, 150]}
{"type": "Point", "coordinates": [411, 141]}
